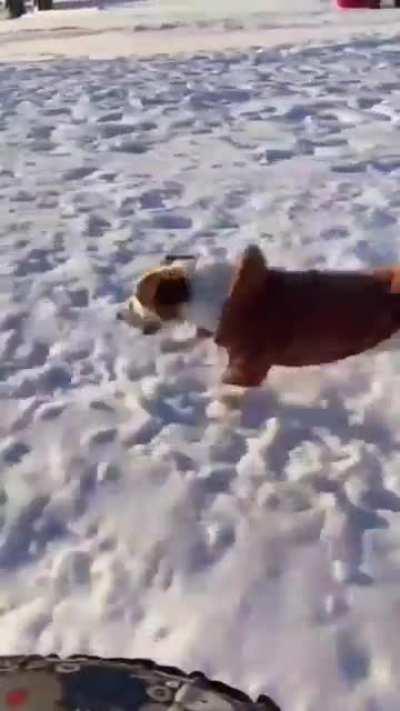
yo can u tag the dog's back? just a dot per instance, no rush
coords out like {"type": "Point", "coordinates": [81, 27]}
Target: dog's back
{"type": "Point", "coordinates": [325, 316]}
{"type": "Point", "coordinates": [296, 318]}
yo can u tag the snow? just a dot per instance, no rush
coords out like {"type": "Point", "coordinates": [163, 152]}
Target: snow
{"type": "Point", "coordinates": [143, 511]}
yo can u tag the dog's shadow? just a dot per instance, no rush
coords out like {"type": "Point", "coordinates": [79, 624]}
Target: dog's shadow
{"type": "Point", "coordinates": [331, 428]}
{"type": "Point", "coordinates": [300, 421]}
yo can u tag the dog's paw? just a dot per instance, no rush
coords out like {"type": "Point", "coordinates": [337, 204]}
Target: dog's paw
{"type": "Point", "coordinates": [243, 377]}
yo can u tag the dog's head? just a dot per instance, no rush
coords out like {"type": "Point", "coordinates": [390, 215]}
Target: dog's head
{"type": "Point", "coordinates": [161, 295]}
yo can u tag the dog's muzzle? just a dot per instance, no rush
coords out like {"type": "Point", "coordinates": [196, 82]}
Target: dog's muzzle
{"type": "Point", "coordinates": [138, 317]}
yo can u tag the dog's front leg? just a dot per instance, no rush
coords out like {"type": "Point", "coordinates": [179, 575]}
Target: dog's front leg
{"type": "Point", "coordinates": [245, 372]}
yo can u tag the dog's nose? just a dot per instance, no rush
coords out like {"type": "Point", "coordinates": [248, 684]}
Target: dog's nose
{"type": "Point", "coordinates": [119, 316]}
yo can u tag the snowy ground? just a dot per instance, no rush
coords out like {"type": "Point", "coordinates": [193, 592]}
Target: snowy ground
{"type": "Point", "coordinates": [139, 515]}
{"type": "Point", "coordinates": [176, 26]}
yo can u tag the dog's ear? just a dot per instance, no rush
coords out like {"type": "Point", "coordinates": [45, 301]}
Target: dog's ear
{"type": "Point", "coordinates": [147, 289]}
{"type": "Point", "coordinates": [172, 289]}
{"type": "Point", "coordinates": [164, 291]}
{"type": "Point", "coordinates": [251, 270]}
{"type": "Point", "coordinates": [171, 292]}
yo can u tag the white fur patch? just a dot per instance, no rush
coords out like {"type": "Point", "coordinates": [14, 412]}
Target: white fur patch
{"type": "Point", "coordinates": [210, 283]}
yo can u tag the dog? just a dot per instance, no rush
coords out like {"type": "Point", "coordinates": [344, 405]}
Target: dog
{"type": "Point", "coordinates": [265, 316]}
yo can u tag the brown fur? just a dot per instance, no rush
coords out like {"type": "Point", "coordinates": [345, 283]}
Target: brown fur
{"type": "Point", "coordinates": [277, 317]}
{"type": "Point", "coordinates": [164, 292]}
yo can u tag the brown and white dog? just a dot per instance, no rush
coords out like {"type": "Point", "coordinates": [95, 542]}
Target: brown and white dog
{"type": "Point", "coordinates": [266, 316]}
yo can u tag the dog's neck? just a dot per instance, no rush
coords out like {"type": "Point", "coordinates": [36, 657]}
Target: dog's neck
{"type": "Point", "coordinates": [210, 286]}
